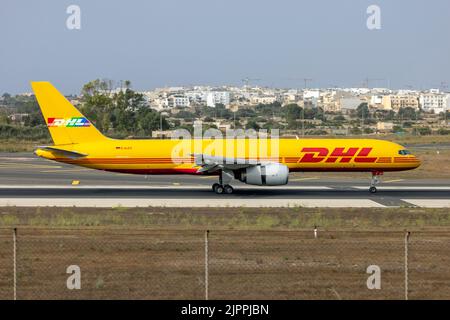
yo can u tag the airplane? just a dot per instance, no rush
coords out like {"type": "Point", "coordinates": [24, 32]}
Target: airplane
{"type": "Point", "coordinates": [78, 142]}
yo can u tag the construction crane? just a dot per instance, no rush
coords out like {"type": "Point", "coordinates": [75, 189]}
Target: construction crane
{"type": "Point", "coordinates": [306, 80]}
{"type": "Point", "coordinates": [247, 80]}
{"type": "Point", "coordinates": [368, 80]}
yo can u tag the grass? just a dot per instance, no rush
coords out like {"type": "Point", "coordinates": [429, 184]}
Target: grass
{"type": "Point", "coordinates": [230, 219]}
{"type": "Point", "coordinates": [16, 145]}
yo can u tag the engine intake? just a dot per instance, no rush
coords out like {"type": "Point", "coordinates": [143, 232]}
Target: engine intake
{"type": "Point", "coordinates": [272, 174]}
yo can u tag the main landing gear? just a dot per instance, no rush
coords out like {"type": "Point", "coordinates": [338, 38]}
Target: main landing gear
{"type": "Point", "coordinates": [223, 186]}
{"type": "Point", "coordinates": [375, 181]}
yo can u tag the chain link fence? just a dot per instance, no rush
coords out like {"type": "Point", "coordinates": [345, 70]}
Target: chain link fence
{"type": "Point", "coordinates": [48, 263]}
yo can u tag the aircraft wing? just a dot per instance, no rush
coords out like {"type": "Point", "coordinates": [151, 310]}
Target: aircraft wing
{"type": "Point", "coordinates": [65, 153]}
{"type": "Point", "coordinates": [210, 163]}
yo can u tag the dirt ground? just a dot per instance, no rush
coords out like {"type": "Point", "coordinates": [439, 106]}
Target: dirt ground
{"type": "Point", "coordinates": [170, 264]}
{"type": "Point", "coordinates": [159, 253]}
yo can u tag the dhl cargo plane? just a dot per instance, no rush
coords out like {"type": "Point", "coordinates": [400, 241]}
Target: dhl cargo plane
{"type": "Point", "coordinates": [78, 142]}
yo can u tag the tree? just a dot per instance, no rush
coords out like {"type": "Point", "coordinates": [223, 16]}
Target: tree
{"type": "Point", "coordinates": [314, 113]}
{"type": "Point", "coordinates": [252, 124]}
{"type": "Point", "coordinates": [423, 131]}
{"type": "Point", "coordinates": [245, 113]}
{"type": "Point", "coordinates": [124, 113]}
{"type": "Point", "coordinates": [443, 131]}
{"type": "Point", "coordinates": [362, 111]}
{"type": "Point", "coordinates": [292, 111]}
{"type": "Point", "coordinates": [6, 99]}
{"type": "Point", "coordinates": [4, 119]}
{"type": "Point", "coordinates": [407, 113]}
{"type": "Point", "coordinates": [97, 103]}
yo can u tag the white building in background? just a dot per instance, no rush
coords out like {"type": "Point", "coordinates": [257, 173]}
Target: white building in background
{"type": "Point", "coordinates": [347, 104]}
{"type": "Point", "coordinates": [376, 101]}
{"type": "Point", "coordinates": [214, 97]}
{"type": "Point", "coordinates": [434, 102]}
{"type": "Point", "coordinates": [208, 97]}
{"type": "Point", "coordinates": [178, 101]}
{"type": "Point", "coordinates": [264, 99]}
{"type": "Point", "coordinates": [311, 94]}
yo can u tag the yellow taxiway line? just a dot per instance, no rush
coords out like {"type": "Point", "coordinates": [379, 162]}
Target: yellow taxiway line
{"type": "Point", "coordinates": [304, 179]}
{"type": "Point", "coordinates": [396, 180]}
{"type": "Point", "coordinates": [64, 170]}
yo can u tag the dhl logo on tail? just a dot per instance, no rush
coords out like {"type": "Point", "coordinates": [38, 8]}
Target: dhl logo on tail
{"type": "Point", "coordinates": [73, 122]}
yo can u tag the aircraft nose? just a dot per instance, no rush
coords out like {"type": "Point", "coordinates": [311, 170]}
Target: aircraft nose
{"type": "Point", "coordinates": [416, 162]}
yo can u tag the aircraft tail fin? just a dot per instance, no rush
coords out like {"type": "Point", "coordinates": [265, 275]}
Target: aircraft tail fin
{"type": "Point", "coordinates": [66, 124]}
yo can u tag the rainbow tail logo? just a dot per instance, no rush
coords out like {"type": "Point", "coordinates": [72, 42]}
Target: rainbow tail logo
{"type": "Point", "coordinates": [73, 122]}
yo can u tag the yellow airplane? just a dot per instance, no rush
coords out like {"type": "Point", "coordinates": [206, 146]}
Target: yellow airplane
{"type": "Point", "coordinates": [252, 161]}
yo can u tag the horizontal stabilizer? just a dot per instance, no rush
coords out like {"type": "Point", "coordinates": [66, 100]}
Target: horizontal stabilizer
{"type": "Point", "coordinates": [64, 153]}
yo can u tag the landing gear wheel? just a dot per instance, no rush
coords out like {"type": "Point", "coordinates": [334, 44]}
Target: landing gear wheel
{"type": "Point", "coordinates": [373, 190]}
{"type": "Point", "coordinates": [214, 186]}
{"type": "Point", "coordinates": [218, 189]}
{"type": "Point", "coordinates": [228, 189]}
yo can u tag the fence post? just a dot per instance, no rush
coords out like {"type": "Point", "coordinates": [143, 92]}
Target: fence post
{"type": "Point", "coordinates": [206, 265]}
{"type": "Point", "coordinates": [406, 263]}
{"type": "Point", "coordinates": [15, 262]}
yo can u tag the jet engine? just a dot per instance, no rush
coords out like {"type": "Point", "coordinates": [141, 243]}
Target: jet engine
{"type": "Point", "coordinates": [272, 174]}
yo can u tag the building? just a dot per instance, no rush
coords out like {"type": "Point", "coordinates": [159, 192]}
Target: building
{"type": "Point", "coordinates": [164, 134]}
{"type": "Point", "coordinates": [347, 104]}
{"type": "Point", "coordinates": [385, 126]}
{"type": "Point", "coordinates": [215, 97]}
{"type": "Point", "coordinates": [435, 102]}
{"type": "Point", "coordinates": [329, 102]}
{"type": "Point", "coordinates": [18, 117]}
{"type": "Point", "coordinates": [263, 99]}
{"type": "Point", "coordinates": [178, 101]}
{"type": "Point", "coordinates": [395, 102]}
{"type": "Point", "coordinates": [376, 101]}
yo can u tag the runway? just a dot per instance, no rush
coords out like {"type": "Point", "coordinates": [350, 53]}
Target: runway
{"type": "Point", "coordinates": [26, 180]}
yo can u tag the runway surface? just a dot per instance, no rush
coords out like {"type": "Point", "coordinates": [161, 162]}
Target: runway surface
{"type": "Point", "coordinates": [26, 180]}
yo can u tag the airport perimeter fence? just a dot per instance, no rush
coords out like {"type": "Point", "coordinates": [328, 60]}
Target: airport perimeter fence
{"type": "Point", "coordinates": [48, 263]}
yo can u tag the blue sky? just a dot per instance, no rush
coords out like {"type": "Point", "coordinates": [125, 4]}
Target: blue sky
{"type": "Point", "coordinates": [183, 42]}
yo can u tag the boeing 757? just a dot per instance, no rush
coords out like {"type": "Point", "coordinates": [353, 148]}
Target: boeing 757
{"type": "Point", "coordinates": [254, 161]}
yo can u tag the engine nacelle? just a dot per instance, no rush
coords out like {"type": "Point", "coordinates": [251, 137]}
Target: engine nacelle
{"type": "Point", "coordinates": [272, 174]}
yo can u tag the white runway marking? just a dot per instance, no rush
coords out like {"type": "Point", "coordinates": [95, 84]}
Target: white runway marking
{"type": "Point", "coordinates": [232, 202]}
{"type": "Point", "coordinates": [176, 186]}
{"type": "Point", "coordinates": [430, 203]}
{"type": "Point", "coordinates": [303, 179]}
{"type": "Point", "coordinates": [424, 188]}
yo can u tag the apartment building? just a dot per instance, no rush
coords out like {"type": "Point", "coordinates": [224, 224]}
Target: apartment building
{"type": "Point", "coordinates": [435, 102]}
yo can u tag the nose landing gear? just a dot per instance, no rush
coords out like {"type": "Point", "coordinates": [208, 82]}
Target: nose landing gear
{"type": "Point", "coordinates": [375, 181]}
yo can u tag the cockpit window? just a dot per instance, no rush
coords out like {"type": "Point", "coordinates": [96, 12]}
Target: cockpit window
{"type": "Point", "coordinates": [404, 152]}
